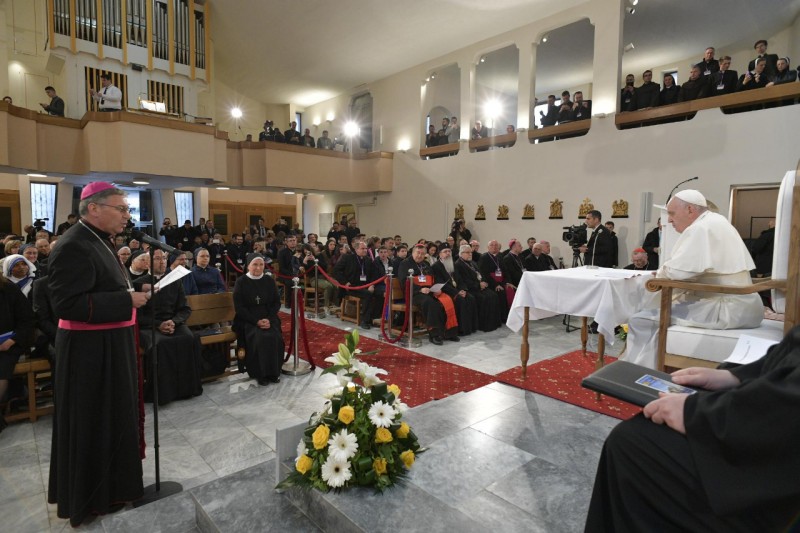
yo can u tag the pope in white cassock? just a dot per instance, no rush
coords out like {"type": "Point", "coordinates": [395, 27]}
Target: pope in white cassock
{"type": "Point", "coordinates": [708, 250]}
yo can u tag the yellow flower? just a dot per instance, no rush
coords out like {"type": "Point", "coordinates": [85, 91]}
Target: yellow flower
{"type": "Point", "coordinates": [351, 387]}
{"type": "Point", "coordinates": [394, 389]}
{"type": "Point", "coordinates": [383, 435]}
{"type": "Point", "coordinates": [304, 464]}
{"type": "Point", "coordinates": [408, 458]}
{"type": "Point", "coordinates": [320, 437]}
{"type": "Point", "coordinates": [379, 465]}
{"type": "Point", "coordinates": [402, 431]}
{"type": "Point", "coordinates": [346, 414]}
{"type": "Point", "coordinates": [625, 328]}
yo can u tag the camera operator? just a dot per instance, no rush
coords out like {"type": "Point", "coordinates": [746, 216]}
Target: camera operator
{"type": "Point", "coordinates": [598, 249]}
{"type": "Point", "coordinates": [459, 231]}
{"type": "Point", "coordinates": [168, 232]}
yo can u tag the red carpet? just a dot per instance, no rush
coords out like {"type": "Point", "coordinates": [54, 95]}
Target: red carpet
{"type": "Point", "coordinates": [560, 378]}
{"type": "Point", "coordinates": [420, 378]}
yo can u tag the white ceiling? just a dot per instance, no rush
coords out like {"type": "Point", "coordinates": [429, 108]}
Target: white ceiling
{"type": "Point", "coordinates": [307, 51]}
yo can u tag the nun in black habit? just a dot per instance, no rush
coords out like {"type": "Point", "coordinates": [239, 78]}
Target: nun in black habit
{"type": "Point", "coordinates": [257, 325]}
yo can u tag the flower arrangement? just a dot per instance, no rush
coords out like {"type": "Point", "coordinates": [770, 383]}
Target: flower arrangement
{"type": "Point", "coordinates": [622, 332]}
{"type": "Point", "coordinates": [358, 439]}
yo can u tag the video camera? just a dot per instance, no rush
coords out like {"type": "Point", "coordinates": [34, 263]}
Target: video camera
{"type": "Point", "coordinates": [575, 236]}
{"type": "Point", "coordinates": [39, 223]}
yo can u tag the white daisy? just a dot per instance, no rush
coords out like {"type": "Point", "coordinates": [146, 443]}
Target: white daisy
{"type": "Point", "coordinates": [335, 473]}
{"type": "Point", "coordinates": [301, 449]}
{"type": "Point", "coordinates": [343, 445]}
{"type": "Point", "coordinates": [400, 407]}
{"type": "Point", "coordinates": [381, 414]}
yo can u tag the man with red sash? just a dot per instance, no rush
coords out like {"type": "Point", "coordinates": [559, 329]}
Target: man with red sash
{"type": "Point", "coordinates": [97, 446]}
{"type": "Point", "coordinates": [438, 308]}
{"type": "Point", "coordinates": [491, 269]}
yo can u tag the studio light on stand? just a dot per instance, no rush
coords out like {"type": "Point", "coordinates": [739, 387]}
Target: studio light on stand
{"type": "Point", "coordinates": [351, 130]}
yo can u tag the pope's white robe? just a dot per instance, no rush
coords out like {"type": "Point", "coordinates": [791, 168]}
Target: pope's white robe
{"type": "Point", "coordinates": [711, 251]}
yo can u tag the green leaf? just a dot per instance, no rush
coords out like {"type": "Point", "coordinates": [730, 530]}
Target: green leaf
{"type": "Point", "coordinates": [335, 368]}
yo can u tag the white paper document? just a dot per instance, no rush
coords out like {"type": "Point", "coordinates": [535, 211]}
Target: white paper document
{"type": "Point", "coordinates": [437, 287]}
{"type": "Point", "coordinates": [749, 349]}
{"type": "Point", "coordinates": [173, 275]}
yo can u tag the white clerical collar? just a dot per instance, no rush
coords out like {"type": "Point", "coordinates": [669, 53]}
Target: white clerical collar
{"type": "Point", "coordinates": [251, 276]}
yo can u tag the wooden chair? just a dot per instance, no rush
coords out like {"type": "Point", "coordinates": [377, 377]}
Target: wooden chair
{"type": "Point", "coordinates": [681, 347]}
{"type": "Point", "coordinates": [310, 292]}
{"type": "Point", "coordinates": [209, 309]}
{"type": "Point", "coordinates": [34, 370]}
{"type": "Point", "coordinates": [397, 303]}
{"type": "Point", "coordinates": [351, 309]}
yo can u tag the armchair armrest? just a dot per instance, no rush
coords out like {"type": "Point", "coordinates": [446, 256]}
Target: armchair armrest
{"type": "Point", "coordinates": [656, 284]}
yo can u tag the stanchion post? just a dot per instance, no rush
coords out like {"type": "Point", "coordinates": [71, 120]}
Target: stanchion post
{"type": "Point", "coordinates": [387, 308]}
{"type": "Point", "coordinates": [225, 262]}
{"type": "Point", "coordinates": [296, 367]}
{"type": "Point", "coordinates": [410, 342]}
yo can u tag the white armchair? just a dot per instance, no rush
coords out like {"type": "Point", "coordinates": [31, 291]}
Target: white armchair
{"type": "Point", "coordinates": [681, 347]}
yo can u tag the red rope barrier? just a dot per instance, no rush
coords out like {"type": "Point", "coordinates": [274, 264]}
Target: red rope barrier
{"type": "Point", "coordinates": [350, 287]}
{"type": "Point", "coordinates": [237, 269]}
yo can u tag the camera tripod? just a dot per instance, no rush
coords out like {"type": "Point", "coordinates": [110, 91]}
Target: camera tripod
{"type": "Point", "coordinates": [577, 261]}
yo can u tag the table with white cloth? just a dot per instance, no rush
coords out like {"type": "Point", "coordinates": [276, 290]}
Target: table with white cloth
{"type": "Point", "coordinates": [609, 295]}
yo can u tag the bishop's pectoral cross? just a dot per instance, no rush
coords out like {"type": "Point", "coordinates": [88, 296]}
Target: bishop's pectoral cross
{"type": "Point", "coordinates": [258, 300]}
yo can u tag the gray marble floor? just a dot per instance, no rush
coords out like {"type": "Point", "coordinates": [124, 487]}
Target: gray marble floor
{"type": "Point", "coordinates": [531, 458]}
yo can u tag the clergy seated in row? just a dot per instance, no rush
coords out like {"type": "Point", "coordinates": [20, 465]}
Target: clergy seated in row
{"type": "Point", "coordinates": [177, 348]}
{"type": "Point", "coordinates": [257, 325]}
{"type": "Point", "coordinates": [176, 259]}
{"type": "Point", "coordinates": [356, 270]}
{"type": "Point", "coordinates": [139, 265]}
{"type": "Point", "coordinates": [512, 265]}
{"type": "Point", "coordinates": [469, 278]}
{"type": "Point", "coordinates": [722, 459]}
{"type": "Point", "coordinates": [207, 278]}
{"type": "Point", "coordinates": [708, 250]}
{"type": "Point", "coordinates": [539, 260]}
{"type": "Point", "coordinates": [639, 260]}
{"type": "Point", "coordinates": [444, 272]}
{"type": "Point", "coordinates": [16, 317]}
{"type": "Point", "coordinates": [437, 308]}
{"type": "Point", "coordinates": [490, 266]}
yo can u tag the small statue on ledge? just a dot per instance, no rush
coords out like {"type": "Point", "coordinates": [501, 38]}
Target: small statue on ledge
{"type": "Point", "coordinates": [459, 212]}
{"type": "Point", "coordinates": [556, 207]}
{"type": "Point", "coordinates": [528, 212]}
{"type": "Point", "coordinates": [619, 209]}
{"type": "Point", "coordinates": [586, 206]}
{"type": "Point", "coordinates": [502, 212]}
{"type": "Point", "coordinates": [481, 213]}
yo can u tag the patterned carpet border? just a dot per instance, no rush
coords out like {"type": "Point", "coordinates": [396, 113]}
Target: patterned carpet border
{"type": "Point", "coordinates": [560, 378]}
{"type": "Point", "coordinates": [420, 378]}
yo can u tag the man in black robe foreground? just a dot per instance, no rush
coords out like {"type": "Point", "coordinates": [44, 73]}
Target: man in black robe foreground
{"type": "Point", "coordinates": [179, 362]}
{"type": "Point", "coordinates": [95, 464]}
{"type": "Point", "coordinates": [257, 325]}
{"type": "Point", "coordinates": [444, 272]}
{"type": "Point", "coordinates": [723, 459]}
{"type": "Point", "coordinates": [470, 279]}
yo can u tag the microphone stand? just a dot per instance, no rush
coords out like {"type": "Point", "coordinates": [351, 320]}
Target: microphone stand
{"type": "Point", "coordinates": [158, 490]}
{"type": "Point", "coordinates": [678, 185]}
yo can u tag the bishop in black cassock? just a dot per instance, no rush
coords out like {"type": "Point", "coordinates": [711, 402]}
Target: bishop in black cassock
{"type": "Point", "coordinates": [466, 307]}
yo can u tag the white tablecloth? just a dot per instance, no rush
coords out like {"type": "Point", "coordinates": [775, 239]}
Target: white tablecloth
{"type": "Point", "coordinates": [609, 295]}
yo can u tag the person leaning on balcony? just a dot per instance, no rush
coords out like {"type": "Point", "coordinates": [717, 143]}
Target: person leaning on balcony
{"type": "Point", "coordinates": [307, 139]}
{"type": "Point", "coordinates": [755, 79]}
{"type": "Point", "coordinates": [695, 87]}
{"type": "Point", "coordinates": [56, 105]}
{"type": "Point", "coordinates": [647, 95]}
{"type": "Point", "coordinates": [784, 74]}
{"type": "Point", "coordinates": [709, 65]}
{"type": "Point", "coordinates": [453, 131]}
{"type": "Point", "coordinates": [432, 139]}
{"type": "Point", "coordinates": [725, 80]}
{"type": "Point", "coordinates": [109, 98]}
{"type": "Point", "coordinates": [627, 96]}
{"type": "Point", "coordinates": [325, 142]}
{"type": "Point", "coordinates": [670, 92]}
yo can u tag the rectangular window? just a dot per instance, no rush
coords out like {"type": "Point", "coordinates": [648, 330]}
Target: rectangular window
{"type": "Point", "coordinates": [673, 73]}
{"type": "Point", "coordinates": [43, 204]}
{"type": "Point", "coordinates": [298, 117]}
{"type": "Point", "coordinates": [184, 207]}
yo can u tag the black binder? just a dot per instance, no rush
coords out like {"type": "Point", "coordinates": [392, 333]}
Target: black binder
{"type": "Point", "coordinates": [619, 380]}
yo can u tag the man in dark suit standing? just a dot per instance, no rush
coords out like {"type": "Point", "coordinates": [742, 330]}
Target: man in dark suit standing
{"type": "Point", "coordinates": [708, 65]}
{"type": "Point", "coordinates": [652, 245]}
{"type": "Point", "coordinates": [724, 81]}
{"type": "Point", "coordinates": [597, 251]}
{"type": "Point", "coordinates": [772, 59]}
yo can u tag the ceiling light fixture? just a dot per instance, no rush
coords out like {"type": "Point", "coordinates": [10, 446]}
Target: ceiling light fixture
{"type": "Point", "coordinates": [351, 129]}
{"type": "Point", "coordinates": [236, 112]}
{"type": "Point", "coordinates": [141, 182]}
{"type": "Point", "coordinates": [545, 38]}
{"type": "Point", "coordinates": [628, 47]}
{"type": "Point", "coordinates": [223, 188]}
{"type": "Point", "coordinates": [483, 59]}
{"type": "Point", "coordinates": [631, 10]}
{"type": "Point", "coordinates": [35, 175]}
{"type": "Point", "coordinates": [633, 2]}
{"type": "Point", "coordinates": [288, 192]}
{"type": "Point", "coordinates": [433, 76]}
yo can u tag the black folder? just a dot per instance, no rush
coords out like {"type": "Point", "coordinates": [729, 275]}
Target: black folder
{"type": "Point", "coordinates": [619, 380]}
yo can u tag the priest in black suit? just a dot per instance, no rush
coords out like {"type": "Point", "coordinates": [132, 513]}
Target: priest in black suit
{"type": "Point", "coordinates": [772, 59]}
{"type": "Point", "coordinates": [469, 279]}
{"type": "Point", "coordinates": [724, 81]}
{"type": "Point", "coordinates": [599, 248]}
{"type": "Point", "coordinates": [539, 261]}
{"type": "Point", "coordinates": [354, 270]}
{"type": "Point", "coordinates": [512, 264]}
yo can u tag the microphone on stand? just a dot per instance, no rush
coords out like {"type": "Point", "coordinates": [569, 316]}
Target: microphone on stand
{"type": "Point", "coordinates": [678, 185]}
{"type": "Point", "coordinates": [155, 243]}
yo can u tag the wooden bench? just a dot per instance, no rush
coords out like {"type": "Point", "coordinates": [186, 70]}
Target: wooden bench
{"type": "Point", "coordinates": [33, 370]}
{"type": "Point", "coordinates": [209, 309]}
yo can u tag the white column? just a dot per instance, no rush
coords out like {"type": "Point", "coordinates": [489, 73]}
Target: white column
{"type": "Point", "coordinates": [527, 64]}
{"type": "Point", "coordinates": [607, 20]}
{"type": "Point", "coordinates": [467, 85]}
